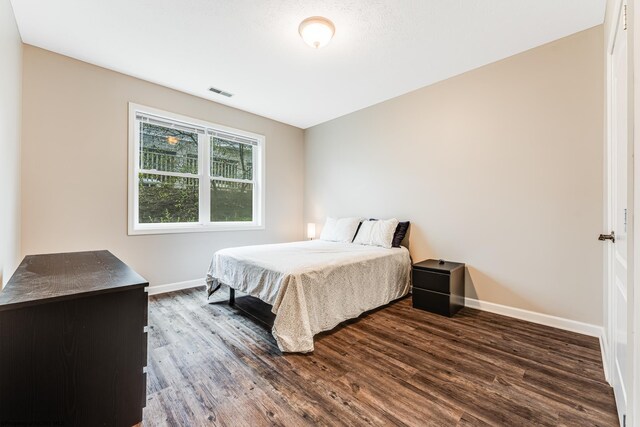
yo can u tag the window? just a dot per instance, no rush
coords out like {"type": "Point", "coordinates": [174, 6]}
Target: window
{"type": "Point", "coordinates": [188, 175]}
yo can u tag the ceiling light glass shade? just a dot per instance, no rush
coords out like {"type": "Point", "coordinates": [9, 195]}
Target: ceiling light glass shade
{"type": "Point", "coordinates": [316, 31]}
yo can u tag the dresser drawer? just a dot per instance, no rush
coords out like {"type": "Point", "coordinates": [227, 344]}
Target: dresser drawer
{"type": "Point", "coordinates": [431, 281]}
{"type": "Point", "coordinates": [434, 302]}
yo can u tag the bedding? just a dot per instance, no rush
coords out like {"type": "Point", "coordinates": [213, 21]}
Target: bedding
{"type": "Point", "coordinates": [314, 285]}
{"type": "Point", "coordinates": [401, 232]}
{"type": "Point", "coordinates": [340, 229]}
{"type": "Point", "coordinates": [377, 232]}
{"type": "Point", "coordinates": [399, 235]}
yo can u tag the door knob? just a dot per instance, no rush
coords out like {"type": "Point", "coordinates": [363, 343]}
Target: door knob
{"type": "Point", "coordinates": [611, 237]}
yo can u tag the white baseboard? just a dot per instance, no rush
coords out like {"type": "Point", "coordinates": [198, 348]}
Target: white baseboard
{"type": "Point", "coordinates": [170, 287]}
{"type": "Point", "coordinates": [532, 316]}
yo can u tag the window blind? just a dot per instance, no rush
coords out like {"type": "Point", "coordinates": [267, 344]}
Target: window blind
{"type": "Point", "coordinates": [187, 127]}
{"type": "Point", "coordinates": [231, 137]}
{"type": "Point", "coordinates": [159, 121]}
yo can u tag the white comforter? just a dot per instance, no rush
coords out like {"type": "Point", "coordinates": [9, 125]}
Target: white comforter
{"type": "Point", "coordinates": [312, 285]}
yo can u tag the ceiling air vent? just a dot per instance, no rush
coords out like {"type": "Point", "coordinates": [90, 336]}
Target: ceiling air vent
{"type": "Point", "coordinates": [220, 92]}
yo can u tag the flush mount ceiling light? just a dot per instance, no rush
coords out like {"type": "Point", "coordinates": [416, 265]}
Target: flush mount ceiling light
{"type": "Point", "coordinates": [316, 31]}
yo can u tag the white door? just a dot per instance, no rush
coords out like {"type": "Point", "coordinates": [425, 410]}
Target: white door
{"type": "Point", "coordinates": [619, 179]}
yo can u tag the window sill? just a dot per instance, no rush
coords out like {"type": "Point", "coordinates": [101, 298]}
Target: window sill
{"type": "Point", "coordinates": [191, 228]}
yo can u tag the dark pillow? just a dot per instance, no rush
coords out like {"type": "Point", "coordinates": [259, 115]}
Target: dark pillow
{"type": "Point", "coordinates": [401, 231]}
{"type": "Point", "coordinates": [398, 235]}
{"type": "Point", "coordinates": [357, 229]}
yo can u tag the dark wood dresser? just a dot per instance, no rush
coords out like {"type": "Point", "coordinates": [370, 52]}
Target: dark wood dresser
{"type": "Point", "coordinates": [72, 342]}
{"type": "Point", "coordinates": [438, 286]}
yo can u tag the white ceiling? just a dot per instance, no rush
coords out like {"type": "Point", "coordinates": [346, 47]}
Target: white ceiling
{"type": "Point", "coordinates": [251, 48]}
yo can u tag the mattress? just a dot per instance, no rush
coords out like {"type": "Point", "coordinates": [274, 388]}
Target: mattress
{"type": "Point", "coordinates": [313, 285]}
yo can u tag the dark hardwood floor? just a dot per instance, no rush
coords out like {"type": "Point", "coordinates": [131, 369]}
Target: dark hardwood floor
{"type": "Point", "coordinates": [211, 364]}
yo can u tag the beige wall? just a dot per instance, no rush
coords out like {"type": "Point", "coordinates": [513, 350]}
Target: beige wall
{"type": "Point", "coordinates": [500, 168]}
{"type": "Point", "coordinates": [10, 100]}
{"type": "Point", "coordinates": [74, 170]}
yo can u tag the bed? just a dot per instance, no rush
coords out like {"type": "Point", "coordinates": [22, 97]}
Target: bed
{"type": "Point", "coordinates": [313, 285]}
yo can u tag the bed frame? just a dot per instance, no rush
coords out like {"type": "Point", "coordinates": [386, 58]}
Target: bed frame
{"type": "Point", "coordinates": [232, 296]}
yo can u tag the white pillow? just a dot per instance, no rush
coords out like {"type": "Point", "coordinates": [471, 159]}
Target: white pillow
{"type": "Point", "coordinates": [329, 229]}
{"type": "Point", "coordinates": [340, 229]}
{"type": "Point", "coordinates": [377, 233]}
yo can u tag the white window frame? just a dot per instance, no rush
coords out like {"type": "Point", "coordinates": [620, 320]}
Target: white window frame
{"type": "Point", "coordinates": [203, 225]}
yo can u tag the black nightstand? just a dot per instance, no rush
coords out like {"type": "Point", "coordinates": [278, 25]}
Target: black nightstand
{"type": "Point", "coordinates": [438, 288]}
